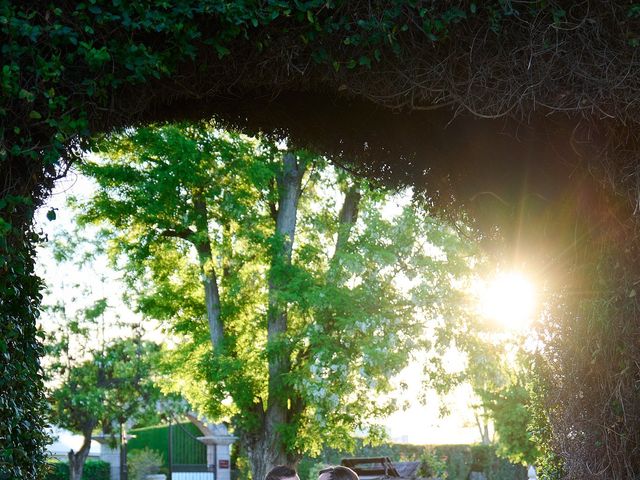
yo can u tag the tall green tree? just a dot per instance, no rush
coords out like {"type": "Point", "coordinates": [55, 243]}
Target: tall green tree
{"type": "Point", "coordinates": [298, 290]}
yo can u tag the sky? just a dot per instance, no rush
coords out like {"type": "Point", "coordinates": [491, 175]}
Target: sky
{"type": "Point", "coordinates": [417, 423]}
{"type": "Point", "coordinates": [422, 424]}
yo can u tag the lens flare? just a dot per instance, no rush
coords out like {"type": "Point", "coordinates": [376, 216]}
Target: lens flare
{"type": "Point", "coordinates": [509, 300]}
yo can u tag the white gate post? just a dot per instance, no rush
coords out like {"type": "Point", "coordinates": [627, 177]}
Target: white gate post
{"type": "Point", "coordinates": [219, 451]}
{"type": "Point", "coordinates": [531, 473]}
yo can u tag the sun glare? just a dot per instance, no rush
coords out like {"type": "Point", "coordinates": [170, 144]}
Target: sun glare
{"type": "Point", "coordinates": [509, 300]}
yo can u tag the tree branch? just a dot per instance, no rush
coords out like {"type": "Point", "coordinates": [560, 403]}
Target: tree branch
{"type": "Point", "coordinates": [210, 279]}
{"type": "Point", "coordinates": [347, 219]}
{"type": "Point", "coordinates": [184, 233]}
{"type": "Point", "coordinates": [227, 253]}
{"type": "Point", "coordinates": [273, 208]}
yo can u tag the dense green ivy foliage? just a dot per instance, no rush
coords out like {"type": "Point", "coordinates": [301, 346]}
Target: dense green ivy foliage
{"type": "Point", "coordinates": [22, 418]}
{"type": "Point", "coordinates": [71, 68]}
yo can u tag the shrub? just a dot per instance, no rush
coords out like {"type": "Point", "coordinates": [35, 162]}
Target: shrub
{"type": "Point", "coordinates": [144, 462]}
{"type": "Point", "coordinates": [434, 464]}
{"type": "Point", "coordinates": [481, 456]}
{"type": "Point", "coordinates": [96, 470]}
{"type": "Point", "coordinates": [57, 470]}
{"type": "Point", "coordinates": [93, 470]}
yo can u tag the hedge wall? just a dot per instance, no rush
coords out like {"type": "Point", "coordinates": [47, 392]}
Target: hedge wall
{"type": "Point", "coordinates": [93, 470]}
{"type": "Point", "coordinates": [459, 459]}
{"type": "Point", "coordinates": [186, 450]}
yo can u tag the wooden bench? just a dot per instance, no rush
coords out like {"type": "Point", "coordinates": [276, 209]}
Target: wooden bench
{"type": "Point", "coordinates": [371, 467]}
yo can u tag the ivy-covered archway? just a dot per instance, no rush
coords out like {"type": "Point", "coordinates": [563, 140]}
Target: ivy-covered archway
{"type": "Point", "coordinates": [458, 98]}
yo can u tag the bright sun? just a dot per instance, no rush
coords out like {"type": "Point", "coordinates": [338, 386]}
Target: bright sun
{"type": "Point", "coordinates": [509, 299]}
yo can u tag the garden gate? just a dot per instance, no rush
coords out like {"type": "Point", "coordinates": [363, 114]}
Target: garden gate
{"type": "Point", "coordinates": [186, 455]}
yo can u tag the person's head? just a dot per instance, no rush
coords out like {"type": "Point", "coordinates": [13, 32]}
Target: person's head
{"type": "Point", "coordinates": [282, 472]}
{"type": "Point", "coordinates": [337, 473]}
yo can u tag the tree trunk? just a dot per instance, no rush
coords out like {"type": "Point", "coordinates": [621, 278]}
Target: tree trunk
{"type": "Point", "coordinates": [124, 469]}
{"type": "Point", "coordinates": [483, 428]}
{"type": "Point", "coordinates": [209, 277]}
{"type": "Point", "coordinates": [265, 449]}
{"type": "Point", "coordinates": [265, 452]}
{"type": "Point", "coordinates": [77, 459]}
{"type": "Point", "coordinates": [347, 219]}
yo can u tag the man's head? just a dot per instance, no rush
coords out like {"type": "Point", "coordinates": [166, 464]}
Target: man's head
{"type": "Point", "coordinates": [282, 472]}
{"type": "Point", "coordinates": [337, 473]}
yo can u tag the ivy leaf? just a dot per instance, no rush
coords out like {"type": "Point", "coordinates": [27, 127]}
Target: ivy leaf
{"type": "Point", "coordinates": [26, 95]}
{"type": "Point", "coordinates": [222, 51]}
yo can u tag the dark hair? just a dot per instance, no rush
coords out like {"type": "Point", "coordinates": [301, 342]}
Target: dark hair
{"type": "Point", "coordinates": [339, 472]}
{"type": "Point", "coordinates": [280, 471]}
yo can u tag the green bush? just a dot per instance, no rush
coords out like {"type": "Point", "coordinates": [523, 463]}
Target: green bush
{"type": "Point", "coordinates": [481, 456]}
{"type": "Point", "coordinates": [434, 464]}
{"type": "Point", "coordinates": [144, 462]}
{"type": "Point", "coordinates": [96, 470]}
{"type": "Point", "coordinates": [93, 470]}
{"type": "Point", "coordinates": [57, 470]}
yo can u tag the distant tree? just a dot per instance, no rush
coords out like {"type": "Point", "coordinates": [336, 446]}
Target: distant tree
{"type": "Point", "coordinates": [95, 383]}
{"type": "Point", "coordinates": [499, 372]}
{"type": "Point", "coordinates": [298, 290]}
{"type": "Point", "coordinates": [497, 369]}
{"type": "Point", "coordinates": [508, 406]}
{"type": "Point", "coordinates": [112, 386]}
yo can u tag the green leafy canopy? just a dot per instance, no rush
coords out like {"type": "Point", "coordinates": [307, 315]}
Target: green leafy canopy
{"type": "Point", "coordinates": [355, 310]}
